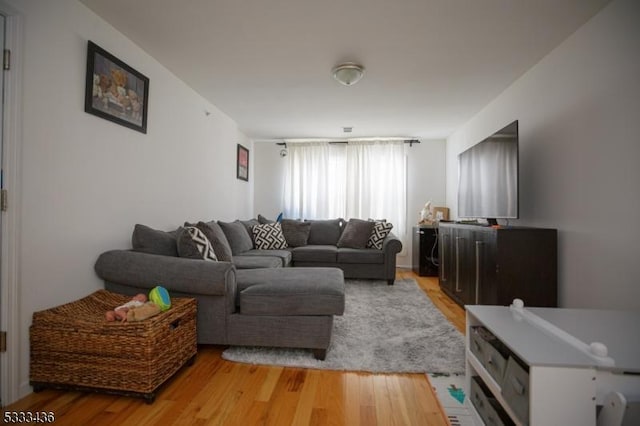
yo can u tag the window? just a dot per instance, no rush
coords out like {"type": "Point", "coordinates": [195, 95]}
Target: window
{"type": "Point", "coordinates": [355, 180]}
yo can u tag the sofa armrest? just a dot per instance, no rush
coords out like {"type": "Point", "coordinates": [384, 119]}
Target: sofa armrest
{"type": "Point", "coordinates": [391, 245]}
{"type": "Point", "coordinates": [144, 270]}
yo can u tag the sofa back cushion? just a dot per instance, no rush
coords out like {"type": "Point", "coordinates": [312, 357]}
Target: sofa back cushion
{"type": "Point", "coordinates": [296, 232]}
{"type": "Point", "coordinates": [218, 239]}
{"type": "Point", "coordinates": [325, 232]}
{"type": "Point", "coordinates": [237, 235]}
{"type": "Point", "coordinates": [153, 241]}
{"type": "Point", "coordinates": [356, 234]}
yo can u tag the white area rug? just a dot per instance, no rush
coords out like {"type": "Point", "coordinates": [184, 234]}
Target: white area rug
{"type": "Point", "coordinates": [385, 329]}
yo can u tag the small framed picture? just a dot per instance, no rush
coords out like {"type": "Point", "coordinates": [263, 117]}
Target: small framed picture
{"type": "Point", "coordinates": [115, 91]}
{"type": "Point", "coordinates": [243, 163]}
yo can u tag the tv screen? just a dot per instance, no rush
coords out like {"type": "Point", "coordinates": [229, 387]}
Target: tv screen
{"type": "Point", "coordinates": [488, 177]}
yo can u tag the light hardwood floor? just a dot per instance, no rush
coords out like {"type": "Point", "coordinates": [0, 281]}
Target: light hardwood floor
{"type": "Point", "coordinates": [215, 391]}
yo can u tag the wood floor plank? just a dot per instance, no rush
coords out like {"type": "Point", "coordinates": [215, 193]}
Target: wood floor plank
{"type": "Point", "coordinates": [216, 391]}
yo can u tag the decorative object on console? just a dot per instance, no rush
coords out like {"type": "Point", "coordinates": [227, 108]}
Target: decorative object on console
{"type": "Point", "coordinates": [115, 91]}
{"type": "Point", "coordinates": [242, 163]}
{"type": "Point", "coordinates": [440, 213]}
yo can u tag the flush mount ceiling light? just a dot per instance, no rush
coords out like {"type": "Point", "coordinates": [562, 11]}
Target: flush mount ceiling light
{"type": "Point", "coordinates": [348, 73]}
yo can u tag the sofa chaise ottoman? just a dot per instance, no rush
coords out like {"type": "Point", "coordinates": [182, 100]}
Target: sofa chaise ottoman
{"type": "Point", "coordinates": [282, 307]}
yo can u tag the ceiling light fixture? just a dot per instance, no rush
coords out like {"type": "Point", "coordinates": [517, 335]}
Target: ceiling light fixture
{"type": "Point", "coordinates": [348, 73]}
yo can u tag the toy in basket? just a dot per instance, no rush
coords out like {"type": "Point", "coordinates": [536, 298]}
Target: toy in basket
{"type": "Point", "coordinates": [139, 308]}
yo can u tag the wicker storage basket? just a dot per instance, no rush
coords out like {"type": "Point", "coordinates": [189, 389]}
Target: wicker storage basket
{"type": "Point", "coordinates": [73, 346]}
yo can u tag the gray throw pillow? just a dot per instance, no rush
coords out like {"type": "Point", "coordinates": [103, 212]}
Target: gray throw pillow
{"type": "Point", "coordinates": [237, 235]}
{"type": "Point", "coordinates": [249, 224]}
{"type": "Point", "coordinates": [193, 244]}
{"type": "Point", "coordinates": [216, 237]}
{"type": "Point", "coordinates": [263, 220]}
{"type": "Point", "coordinates": [219, 241]}
{"type": "Point", "coordinates": [356, 234]}
{"type": "Point", "coordinates": [153, 241]}
{"type": "Point", "coordinates": [325, 232]}
{"type": "Point", "coordinates": [295, 232]}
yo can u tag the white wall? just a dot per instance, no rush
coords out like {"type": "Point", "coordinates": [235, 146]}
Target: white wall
{"type": "Point", "coordinates": [425, 181]}
{"type": "Point", "coordinates": [578, 112]}
{"type": "Point", "coordinates": [87, 181]}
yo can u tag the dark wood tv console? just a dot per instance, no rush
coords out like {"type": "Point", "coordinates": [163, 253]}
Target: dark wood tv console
{"type": "Point", "coordinates": [483, 265]}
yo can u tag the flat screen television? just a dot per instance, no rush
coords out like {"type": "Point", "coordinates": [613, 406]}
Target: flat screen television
{"type": "Point", "coordinates": [488, 177]}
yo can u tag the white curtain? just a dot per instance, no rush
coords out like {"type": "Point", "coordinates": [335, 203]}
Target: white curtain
{"type": "Point", "coordinates": [314, 181]}
{"type": "Point", "coordinates": [377, 182]}
{"type": "Point", "coordinates": [355, 180]}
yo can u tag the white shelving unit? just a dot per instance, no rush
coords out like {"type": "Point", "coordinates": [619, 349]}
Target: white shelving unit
{"type": "Point", "coordinates": [560, 379]}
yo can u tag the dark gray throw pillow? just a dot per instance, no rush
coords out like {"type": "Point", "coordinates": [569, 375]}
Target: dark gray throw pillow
{"type": "Point", "coordinates": [356, 234]}
{"type": "Point", "coordinates": [325, 232]}
{"type": "Point", "coordinates": [219, 241]}
{"type": "Point", "coordinates": [263, 220]}
{"type": "Point", "coordinates": [153, 241]}
{"type": "Point", "coordinates": [249, 224]}
{"type": "Point", "coordinates": [216, 237]}
{"type": "Point", "coordinates": [193, 244]}
{"type": "Point", "coordinates": [237, 235]}
{"type": "Point", "coordinates": [295, 232]}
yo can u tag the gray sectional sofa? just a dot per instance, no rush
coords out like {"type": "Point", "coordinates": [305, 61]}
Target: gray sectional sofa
{"type": "Point", "coordinates": [252, 296]}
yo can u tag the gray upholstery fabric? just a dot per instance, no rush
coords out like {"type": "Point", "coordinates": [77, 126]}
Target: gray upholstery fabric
{"type": "Point", "coordinates": [296, 232]}
{"type": "Point", "coordinates": [145, 270]}
{"type": "Point", "coordinates": [237, 236]}
{"type": "Point", "coordinates": [303, 331]}
{"type": "Point", "coordinates": [284, 255]}
{"type": "Point", "coordinates": [218, 240]}
{"type": "Point", "coordinates": [356, 234]}
{"type": "Point", "coordinates": [292, 291]}
{"type": "Point", "coordinates": [349, 255]}
{"type": "Point", "coordinates": [256, 262]}
{"type": "Point", "coordinates": [249, 224]}
{"type": "Point", "coordinates": [187, 247]}
{"type": "Point", "coordinates": [263, 220]}
{"type": "Point", "coordinates": [153, 241]}
{"type": "Point", "coordinates": [325, 232]}
{"type": "Point", "coordinates": [315, 254]}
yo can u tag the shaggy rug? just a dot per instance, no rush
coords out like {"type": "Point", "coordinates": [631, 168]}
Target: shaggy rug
{"type": "Point", "coordinates": [384, 329]}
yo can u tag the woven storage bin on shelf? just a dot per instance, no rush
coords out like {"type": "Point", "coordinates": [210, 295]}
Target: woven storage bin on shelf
{"type": "Point", "coordinates": [74, 347]}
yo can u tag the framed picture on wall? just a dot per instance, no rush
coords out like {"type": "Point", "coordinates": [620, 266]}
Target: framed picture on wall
{"type": "Point", "coordinates": [243, 163]}
{"type": "Point", "coordinates": [115, 91]}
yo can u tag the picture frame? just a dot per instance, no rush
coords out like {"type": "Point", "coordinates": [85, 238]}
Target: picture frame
{"type": "Point", "coordinates": [114, 90]}
{"type": "Point", "coordinates": [242, 163]}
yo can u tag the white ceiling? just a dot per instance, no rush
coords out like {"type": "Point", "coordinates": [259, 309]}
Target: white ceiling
{"type": "Point", "coordinates": [430, 64]}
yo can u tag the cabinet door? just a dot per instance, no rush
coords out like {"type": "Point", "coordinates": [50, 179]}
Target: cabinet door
{"type": "Point", "coordinates": [484, 264]}
{"type": "Point", "coordinates": [415, 250]}
{"type": "Point", "coordinates": [464, 286]}
{"type": "Point", "coordinates": [447, 259]}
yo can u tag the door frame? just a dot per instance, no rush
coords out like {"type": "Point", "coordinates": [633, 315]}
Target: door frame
{"type": "Point", "coordinates": [10, 388]}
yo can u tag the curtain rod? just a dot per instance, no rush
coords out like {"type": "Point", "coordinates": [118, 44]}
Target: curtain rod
{"type": "Point", "coordinates": [409, 141]}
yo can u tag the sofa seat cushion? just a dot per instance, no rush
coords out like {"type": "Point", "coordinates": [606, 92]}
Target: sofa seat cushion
{"type": "Point", "coordinates": [256, 262]}
{"type": "Point", "coordinates": [291, 291]}
{"type": "Point", "coordinates": [284, 255]}
{"type": "Point", "coordinates": [315, 253]}
{"type": "Point", "coordinates": [371, 256]}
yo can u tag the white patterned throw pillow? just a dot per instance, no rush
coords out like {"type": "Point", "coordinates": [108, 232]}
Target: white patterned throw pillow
{"type": "Point", "coordinates": [269, 236]}
{"type": "Point", "coordinates": [202, 243]}
{"type": "Point", "coordinates": [379, 232]}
